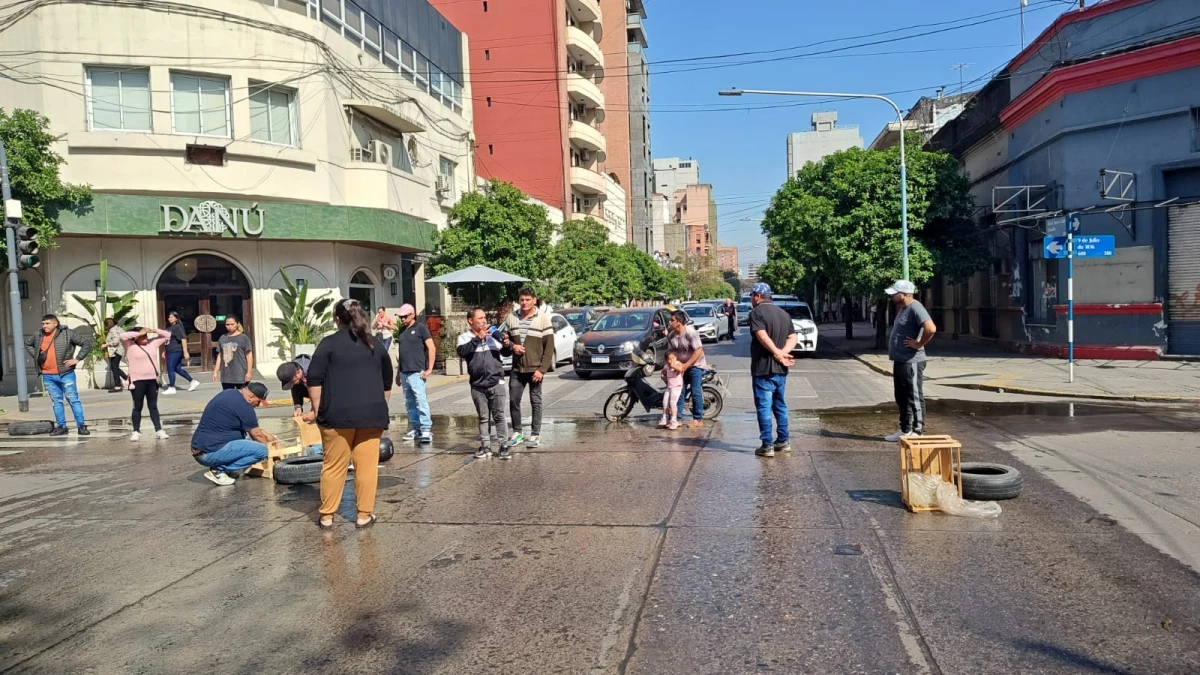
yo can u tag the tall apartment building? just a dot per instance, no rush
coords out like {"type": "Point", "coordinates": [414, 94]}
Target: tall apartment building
{"type": "Point", "coordinates": [219, 163]}
{"type": "Point", "coordinates": [727, 259]}
{"type": "Point", "coordinates": [752, 272]}
{"type": "Point", "coordinates": [695, 222]}
{"type": "Point", "coordinates": [538, 101]}
{"type": "Point", "coordinates": [672, 173]}
{"type": "Point", "coordinates": [825, 138]}
{"type": "Point", "coordinates": [626, 126]}
{"type": "Point", "coordinates": [660, 220]}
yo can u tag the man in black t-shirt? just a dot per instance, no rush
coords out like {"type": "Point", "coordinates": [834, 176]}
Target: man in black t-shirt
{"type": "Point", "coordinates": [770, 355]}
{"type": "Point", "coordinates": [417, 354]}
{"type": "Point", "coordinates": [293, 375]}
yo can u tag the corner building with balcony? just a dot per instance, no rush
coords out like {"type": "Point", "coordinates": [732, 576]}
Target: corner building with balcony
{"type": "Point", "coordinates": [537, 71]}
{"type": "Point", "coordinates": [230, 142]}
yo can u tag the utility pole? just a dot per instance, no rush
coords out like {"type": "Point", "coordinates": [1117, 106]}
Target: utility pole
{"type": "Point", "coordinates": [12, 218]}
{"type": "Point", "coordinates": [1024, 4]}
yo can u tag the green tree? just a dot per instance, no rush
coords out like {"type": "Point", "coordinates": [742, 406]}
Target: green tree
{"type": "Point", "coordinates": [498, 227]}
{"type": "Point", "coordinates": [33, 169]}
{"type": "Point", "coordinates": [731, 277]}
{"type": "Point", "coordinates": [702, 279]}
{"type": "Point", "coordinates": [839, 220]}
{"type": "Point", "coordinates": [587, 269]}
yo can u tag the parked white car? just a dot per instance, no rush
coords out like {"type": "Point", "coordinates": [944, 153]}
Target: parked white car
{"type": "Point", "coordinates": [708, 323]}
{"type": "Point", "coordinates": [804, 325]}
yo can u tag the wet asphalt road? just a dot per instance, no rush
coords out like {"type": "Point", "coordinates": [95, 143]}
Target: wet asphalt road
{"type": "Point", "coordinates": [615, 548]}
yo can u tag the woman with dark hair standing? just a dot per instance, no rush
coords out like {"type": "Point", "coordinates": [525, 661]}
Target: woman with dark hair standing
{"type": "Point", "coordinates": [116, 352]}
{"type": "Point", "coordinates": [141, 348]}
{"type": "Point", "coordinates": [235, 356]}
{"type": "Point", "coordinates": [350, 382]}
{"type": "Point", "coordinates": [177, 353]}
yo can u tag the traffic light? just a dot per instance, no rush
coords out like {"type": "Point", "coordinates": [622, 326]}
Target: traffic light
{"type": "Point", "coordinates": [27, 248]}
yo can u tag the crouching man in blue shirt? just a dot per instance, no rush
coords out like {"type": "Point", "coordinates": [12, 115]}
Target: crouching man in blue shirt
{"type": "Point", "coordinates": [227, 439]}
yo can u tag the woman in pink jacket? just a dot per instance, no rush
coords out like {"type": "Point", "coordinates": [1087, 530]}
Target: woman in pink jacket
{"type": "Point", "coordinates": [141, 351]}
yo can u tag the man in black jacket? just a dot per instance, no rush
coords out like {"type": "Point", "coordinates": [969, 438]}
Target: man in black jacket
{"type": "Point", "coordinates": [482, 351]}
{"type": "Point", "coordinates": [56, 350]}
{"type": "Point", "coordinates": [730, 310]}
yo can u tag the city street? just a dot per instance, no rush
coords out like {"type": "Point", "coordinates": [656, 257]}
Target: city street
{"type": "Point", "coordinates": [620, 547]}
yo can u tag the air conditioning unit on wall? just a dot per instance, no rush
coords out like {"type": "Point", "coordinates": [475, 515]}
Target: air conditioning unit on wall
{"type": "Point", "coordinates": [443, 183]}
{"type": "Point", "coordinates": [381, 152]}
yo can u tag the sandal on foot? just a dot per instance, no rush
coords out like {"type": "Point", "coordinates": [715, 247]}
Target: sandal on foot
{"type": "Point", "coordinates": [323, 525]}
{"type": "Point", "coordinates": [370, 522]}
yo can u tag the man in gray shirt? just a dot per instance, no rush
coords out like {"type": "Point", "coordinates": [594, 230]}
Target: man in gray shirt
{"type": "Point", "coordinates": [912, 330]}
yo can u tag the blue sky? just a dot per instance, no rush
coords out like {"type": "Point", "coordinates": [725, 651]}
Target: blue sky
{"type": "Point", "coordinates": [740, 149]}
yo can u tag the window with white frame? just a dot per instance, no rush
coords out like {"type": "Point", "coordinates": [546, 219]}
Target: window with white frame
{"type": "Point", "coordinates": [118, 99]}
{"type": "Point", "coordinates": [408, 61]}
{"type": "Point", "coordinates": [200, 105]}
{"type": "Point", "coordinates": [446, 168]}
{"type": "Point", "coordinates": [422, 72]}
{"type": "Point", "coordinates": [401, 157]}
{"type": "Point", "coordinates": [273, 114]}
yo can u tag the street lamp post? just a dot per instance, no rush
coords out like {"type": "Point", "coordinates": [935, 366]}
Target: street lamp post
{"type": "Point", "coordinates": [903, 170]}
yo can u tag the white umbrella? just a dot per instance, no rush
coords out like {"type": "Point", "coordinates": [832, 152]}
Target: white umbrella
{"type": "Point", "coordinates": [477, 274]}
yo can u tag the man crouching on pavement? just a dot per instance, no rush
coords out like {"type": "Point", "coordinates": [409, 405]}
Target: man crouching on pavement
{"type": "Point", "coordinates": [220, 441]}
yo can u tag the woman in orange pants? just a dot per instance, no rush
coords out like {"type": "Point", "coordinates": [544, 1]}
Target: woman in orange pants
{"type": "Point", "coordinates": [350, 382]}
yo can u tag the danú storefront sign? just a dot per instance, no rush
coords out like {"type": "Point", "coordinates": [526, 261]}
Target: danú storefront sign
{"type": "Point", "coordinates": [211, 218]}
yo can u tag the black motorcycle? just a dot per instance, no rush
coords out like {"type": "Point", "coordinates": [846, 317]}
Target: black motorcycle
{"type": "Point", "coordinates": [638, 390]}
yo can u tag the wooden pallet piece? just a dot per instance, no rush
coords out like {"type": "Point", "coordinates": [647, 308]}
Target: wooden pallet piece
{"type": "Point", "coordinates": [934, 455]}
{"type": "Point", "coordinates": [309, 435]}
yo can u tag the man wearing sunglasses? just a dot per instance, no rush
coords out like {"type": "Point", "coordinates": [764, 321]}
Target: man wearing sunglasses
{"type": "Point", "coordinates": [228, 439]}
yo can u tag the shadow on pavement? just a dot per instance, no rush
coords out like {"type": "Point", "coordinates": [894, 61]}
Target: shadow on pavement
{"type": "Point", "coordinates": [881, 497]}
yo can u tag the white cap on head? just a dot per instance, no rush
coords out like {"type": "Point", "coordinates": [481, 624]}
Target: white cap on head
{"type": "Point", "coordinates": [901, 286]}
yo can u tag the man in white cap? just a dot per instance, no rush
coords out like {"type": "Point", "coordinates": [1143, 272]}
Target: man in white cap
{"type": "Point", "coordinates": [417, 354]}
{"type": "Point", "coordinates": [912, 330]}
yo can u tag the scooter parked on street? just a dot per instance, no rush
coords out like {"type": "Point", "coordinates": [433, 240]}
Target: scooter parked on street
{"type": "Point", "coordinates": [638, 390]}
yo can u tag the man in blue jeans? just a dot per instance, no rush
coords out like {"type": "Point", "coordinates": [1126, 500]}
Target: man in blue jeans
{"type": "Point", "coordinates": [220, 441]}
{"type": "Point", "coordinates": [770, 355]}
{"type": "Point", "coordinates": [417, 354]}
{"type": "Point", "coordinates": [56, 350]}
{"type": "Point", "coordinates": [686, 345]}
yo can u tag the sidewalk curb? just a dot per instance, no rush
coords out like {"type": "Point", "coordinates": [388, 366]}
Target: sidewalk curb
{"type": "Point", "coordinates": [1030, 391]}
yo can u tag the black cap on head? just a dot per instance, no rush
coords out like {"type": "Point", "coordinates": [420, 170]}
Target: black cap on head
{"type": "Point", "coordinates": [286, 373]}
{"type": "Point", "coordinates": [259, 389]}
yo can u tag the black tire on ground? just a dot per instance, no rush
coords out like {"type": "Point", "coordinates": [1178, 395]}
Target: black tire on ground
{"type": "Point", "coordinates": [583, 374]}
{"type": "Point", "coordinates": [618, 405]}
{"type": "Point", "coordinates": [714, 402]}
{"type": "Point", "coordinates": [30, 428]}
{"type": "Point", "coordinates": [298, 470]}
{"type": "Point", "coordinates": [985, 481]}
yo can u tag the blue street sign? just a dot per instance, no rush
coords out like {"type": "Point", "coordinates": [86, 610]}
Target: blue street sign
{"type": "Point", "coordinates": [1095, 246]}
{"type": "Point", "coordinates": [1055, 247]}
{"type": "Point", "coordinates": [1056, 227]}
{"type": "Point", "coordinates": [1073, 222]}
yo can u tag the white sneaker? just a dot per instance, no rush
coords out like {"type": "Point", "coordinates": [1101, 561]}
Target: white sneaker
{"type": "Point", "coordinates": [895, 438]}
{"type": "Point", "coordinates": [161, 435]}
{"type": "Point", "coordinates": [168, 391]}
{"type": "Point", "coordinates": [218, 477]}
{"type": "Point", "coordinates": [135, 437]}
{"type": "Point", "coordinates": [193, 385]}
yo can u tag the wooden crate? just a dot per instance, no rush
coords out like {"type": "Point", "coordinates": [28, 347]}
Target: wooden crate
{"type": "Point", "coordinates": [935, 455]}
{"type": "Point", "coordinates": [309, 435]}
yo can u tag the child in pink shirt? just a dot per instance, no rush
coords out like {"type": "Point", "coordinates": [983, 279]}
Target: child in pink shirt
{"type": "Point", "coordinates": [674, 380]}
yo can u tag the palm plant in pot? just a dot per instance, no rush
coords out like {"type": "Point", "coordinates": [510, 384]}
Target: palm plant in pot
{"type": "Point", "coordinates": [303, 323]}
{"type": "Point", "coordinates": [118, 307]}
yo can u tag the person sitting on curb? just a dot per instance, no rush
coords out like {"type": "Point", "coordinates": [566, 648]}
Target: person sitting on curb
{"type": "Point", "coordinates": [228, 439]}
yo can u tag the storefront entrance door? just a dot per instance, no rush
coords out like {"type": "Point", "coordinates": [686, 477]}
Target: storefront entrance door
{"type": "Point", "coordinates": [199, 285]}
